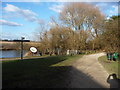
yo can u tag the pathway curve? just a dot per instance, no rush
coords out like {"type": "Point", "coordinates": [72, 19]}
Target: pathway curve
{"type": "Point", "coordinates": [90, 67]}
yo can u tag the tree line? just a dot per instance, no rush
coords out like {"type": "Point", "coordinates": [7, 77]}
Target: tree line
{"type": "Point", "coordinates": [80, 27]}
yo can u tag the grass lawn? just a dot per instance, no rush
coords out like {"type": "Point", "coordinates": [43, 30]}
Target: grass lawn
{"type": "Point", "coordinates": [110, 66]}
{"type": "Point", "coordinates": [39, 72]}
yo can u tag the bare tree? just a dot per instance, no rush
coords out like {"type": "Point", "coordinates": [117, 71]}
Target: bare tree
{"type": "Point", "coordinates": [82, 16]}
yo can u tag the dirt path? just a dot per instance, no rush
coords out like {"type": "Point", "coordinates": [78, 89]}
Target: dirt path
{"type": "Point", "coordinates": [92, 75]}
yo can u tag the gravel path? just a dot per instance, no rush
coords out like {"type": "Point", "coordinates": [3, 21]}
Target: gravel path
{"type": "Point", "coordinates": [91, 73]}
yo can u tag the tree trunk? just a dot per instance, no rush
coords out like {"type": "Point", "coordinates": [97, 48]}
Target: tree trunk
{"type": "Point", "coordinates": [93, 46]}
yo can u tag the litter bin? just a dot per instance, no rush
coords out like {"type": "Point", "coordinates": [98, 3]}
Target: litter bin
{"type": "Point", "coordinates": [109, 56]}
{"type": "Point", "coordinates": [115, 56]}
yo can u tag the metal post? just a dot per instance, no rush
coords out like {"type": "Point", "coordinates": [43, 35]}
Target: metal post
{"type": "Point", "coordinates": [22, 47]}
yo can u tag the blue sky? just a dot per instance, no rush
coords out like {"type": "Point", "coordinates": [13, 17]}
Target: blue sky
{"type": "Point", "coordinates": [19, 19]}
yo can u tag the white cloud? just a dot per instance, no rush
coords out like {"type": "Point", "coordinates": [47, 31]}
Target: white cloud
{"type": "Point", "coordinates": [26, 14]}
{"type": "Point", "coordinates": [40, 21]}
{"type": "Point", "coordinates": [9, 23]}
{"type": "Point", "coordinates": [11, 8]}
{"type": "Point", "coordinates": [101, 5]}
{"type": "Point", "coordinates": [114, 11]}
{"type": "Point", "coordinates": [108, 9]}
{"type": "Point", "coordinates": [57, 7]}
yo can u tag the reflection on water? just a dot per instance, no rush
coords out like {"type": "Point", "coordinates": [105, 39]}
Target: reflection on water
{"type": "Point", "coordinates": [11, 53]}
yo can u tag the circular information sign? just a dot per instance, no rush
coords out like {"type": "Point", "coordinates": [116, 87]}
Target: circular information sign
{"type": "Point", "coordinates": [33, 49]}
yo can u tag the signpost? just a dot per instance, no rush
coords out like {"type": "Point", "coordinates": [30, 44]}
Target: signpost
{"type": "Point", "coordinates": [22, 40]}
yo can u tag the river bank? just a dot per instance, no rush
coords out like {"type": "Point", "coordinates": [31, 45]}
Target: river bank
{"type": "Point", "coordinates": [27, 57]}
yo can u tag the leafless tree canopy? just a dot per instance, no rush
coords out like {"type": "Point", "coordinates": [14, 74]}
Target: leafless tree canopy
{"type": "Point", "coordinates": [81, 26]}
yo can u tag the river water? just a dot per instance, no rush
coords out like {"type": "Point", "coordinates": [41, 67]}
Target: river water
{"type": "Point", "coordinates": [11, 53]}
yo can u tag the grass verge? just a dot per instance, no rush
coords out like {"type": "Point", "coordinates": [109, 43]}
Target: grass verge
{"type": "Point", "coordinates": [110, 66]}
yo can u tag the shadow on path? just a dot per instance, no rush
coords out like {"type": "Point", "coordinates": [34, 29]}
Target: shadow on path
{"type": "Point", "coordinates": [113, 81]}
{"type": "Point", "coordinates": [38, 73]}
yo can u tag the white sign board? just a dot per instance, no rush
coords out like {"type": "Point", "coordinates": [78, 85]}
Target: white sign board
{"type": "Point", "coordinates": [33, 49]}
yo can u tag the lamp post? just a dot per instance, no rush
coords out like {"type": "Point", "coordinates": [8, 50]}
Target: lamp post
{"type": "Point", "coordinates": [22, 38]}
